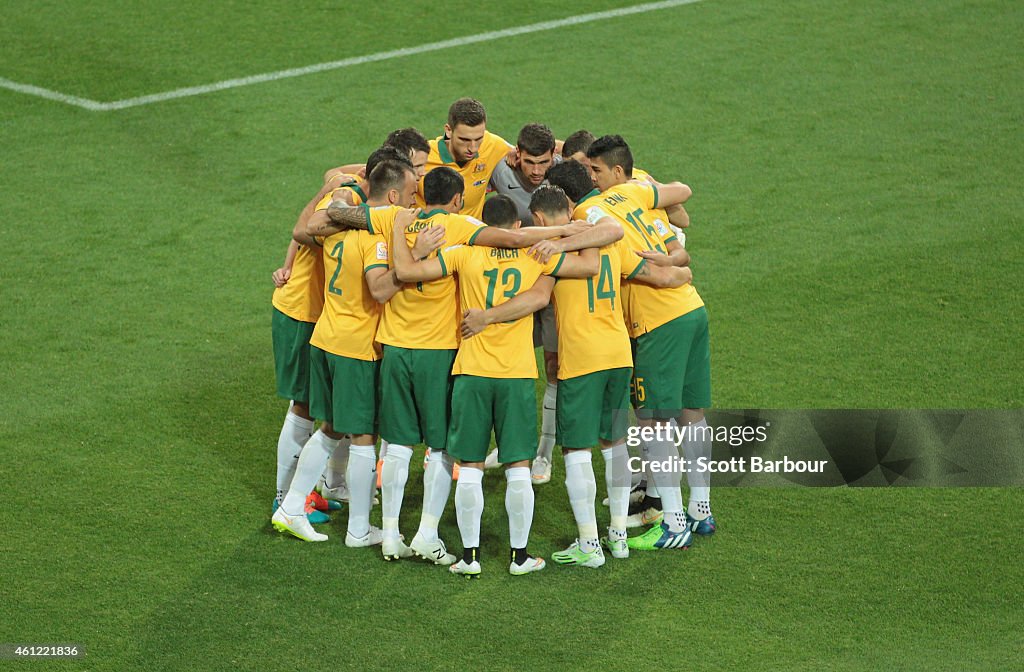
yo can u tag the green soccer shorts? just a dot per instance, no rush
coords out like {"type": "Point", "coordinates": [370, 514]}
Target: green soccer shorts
{"type": "Point", "coordinates": [506, 405]}
{"type": "Point", "coordinates": [415, 396]}
{"type": "Point", "coordinates": [343, 391]}
{"type": "Point", "coordinates": [291, 356]}
{"type": "Point", "coordinates": [672, 367]}
{"type": "Point", "coordinates": [593, 406]}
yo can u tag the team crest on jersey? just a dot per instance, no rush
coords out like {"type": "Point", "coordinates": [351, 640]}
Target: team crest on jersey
{"type": "Point", "coordinates": [382, 251]}
{"type": "Point", "coordinates": [480, 167]}
{"type": "Point", "coordinates": [595, 213]}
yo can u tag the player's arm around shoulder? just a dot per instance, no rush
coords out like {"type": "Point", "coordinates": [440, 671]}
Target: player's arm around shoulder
{"type": "Point", "coordinates": [662, 276]}
{"type": "Point", "coordinates": [408, 269]}
{"type": "Point", "coordinates": [525, 303]}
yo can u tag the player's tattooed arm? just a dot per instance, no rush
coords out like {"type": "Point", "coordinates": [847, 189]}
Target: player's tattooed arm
{"type": "Point", "coordinates": [338, 216]}
{"type": "Point", "coordinates": [407, 268]}
{"type": "Point", "coordinates": [662, 276]}
{"type": "Point", "coordinates": [525, 303]}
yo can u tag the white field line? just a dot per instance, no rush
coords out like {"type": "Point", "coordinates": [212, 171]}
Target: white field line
{"type": "Point", "coordinates": [97, 106]}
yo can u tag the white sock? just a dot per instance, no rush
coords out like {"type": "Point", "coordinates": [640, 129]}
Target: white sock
{"type": "Point", "coordinates": [392, 484]}
{"type": "Point", "coordinates": [437, 485]}
{"type": "Point", "coordinates": [652, 487]}
{"type": "Point", "coordinates": [617, 478]}
{"type": "Point", "coordinates": [334, 475]}
{"type": "Point", "coordinates": [294, 433]}
{"type": "Point", "coordinates": [361, 477]}
{"type": "Point", "coordinates": [311, 465]}
{"type": "Point", "coordinates": [582, 489]}
{"type": "Point", "coordinates": [469, 505]}
{"type": "Point", "coordinates": [698, 444]}
{"type": "Point", "coordinates": [518, 505]}
{"type": "Point", "coordinates": [383, 449]}
{"type": "Point", "coordinates": [547, 422]}
{"type": "Point", "coordinates": [668, 481]}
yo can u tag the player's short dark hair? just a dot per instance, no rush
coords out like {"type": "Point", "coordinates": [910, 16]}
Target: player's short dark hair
{"type": "Point", "coordinates": [536, 139]}
{"type": "Point", "coordinates": [549, 199]}
{"type": "Point", "coordinates": [466, 111]}
{"type": "Point", "coordinates": [408, 140]}
{"type": "Point", "coordinates": [388, 175]}
{"type": "Point", "coordinates": [579, 141]}
{"type": "Point", "coordinates": [441, 184]}
{"type": "Point", "coordinates": [386, 153]}
{"type": "Point", "coordinates": [572, 177]}
{"type": "Point", "coordinates": [500, 211]}
{"type": "Point", "coordinates": [614, 151]}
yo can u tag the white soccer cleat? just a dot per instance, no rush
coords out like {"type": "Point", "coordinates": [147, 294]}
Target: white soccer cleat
{"type": "Point", "coordinates": [532, 564]}
{"type": "Point", "coordinates": [617, 547]}
{"type": "Point", "coordinates": [432, 551]}
{"type": "Point", "coordinates": [635, 497]}
{"type": "Point", "coordinates": [338, 494]}
{"type": "Point", "coordinates": [492, 460]}
{"type": "Point", "coordinates": [469, 570]}
{"type": "Point", "coordinates": [394, 549]}
{"type": "Point", "coordinates": [372, 538]}
{"type": "Point", "coordinates": [297, 526]}
{"type": "Point", "coordinates": [541, 471]}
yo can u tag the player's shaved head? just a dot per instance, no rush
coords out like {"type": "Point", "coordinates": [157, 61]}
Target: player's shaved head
{"type": "Point", "coordinates": [613, 151]}
{"type": "Point", "coordinates": [408, 140]}
{"type": "Point", "coordinates": [441, 185]}
{"type": "Point", "coordinates": [466, 111]}
{"type": "Point", "coordinates": [578, 142]}
{"type": "Point", "coordinates": [500, 211]}
{"type": "Point", "coordinates": [536, 140]}
{"type": "Point", "coordinates": [550, 200]}
{"type": "Point", "coordinates": [385, 153]}
{"type": "Point", "coordinates": [572, 177]}
{"type": "Point", "coordinates": [388, 175]}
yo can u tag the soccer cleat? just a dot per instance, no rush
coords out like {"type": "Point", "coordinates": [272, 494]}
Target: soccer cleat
{"type": "Point", "coordinates": [394, 549]}
{"type": "Point", "coordinates": [431, 551]}
{"type": "Point", "coordinates": [617, 547]}
{"type": "Point", "coordinates": [469, 570]}
{"type": "Point", "coordinates": [704, 527]}
{"type": "Point", "coordinates": [635, 497]}
{"type": "Point", "coordinates": [660, 537]}
{"type": "Point", "coordinates": [320, 504]}
{"type": "Point", "coordinates": [373, 537]}
{"type": "Point", "coordinates": [491, 461]}
{"type": "Point", "coordinates": [297, 526]}
{"type": "Point", "coordinates": [574, 555]}
{"type": "Point", "coordinates": [541, 471]}
{"type": "Point", "coordinates": [334, 496]}
{"type": "Point", "coordinates": [312, 515]}
{"type": "Point", "coordinates": [532, 564]}
{"type": "Point", "coordinates": [645, 517]}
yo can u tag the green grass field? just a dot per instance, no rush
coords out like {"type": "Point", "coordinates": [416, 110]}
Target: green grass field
{"type": "Point", "coordinates": [856, 236]}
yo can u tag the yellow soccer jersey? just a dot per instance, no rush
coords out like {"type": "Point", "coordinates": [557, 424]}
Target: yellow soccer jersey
{"type": "Point", "coordinates": [424, 315]}
{"type": "Point", "coordinates": [302, 297]}
{"type": "Point", "coordinates": [588, 312]}
{"type": "Point", "coordinates": [489, 277]}
{"type": "Point", "coordinates": [476, 173]}
{"type": "Point", "coordinates": [348, 324]}
{"type": "Point", "coordinates": [657, 215]}
{"type": "Point", "coordinates": [645, 308]}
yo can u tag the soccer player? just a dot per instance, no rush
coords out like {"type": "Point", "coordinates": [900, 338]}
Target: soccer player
{"type": "Point", "coordinates": [494, 379]}
{"type": "Point", "coordinates": [406, 140]}
{"type": "Point", "coordinates": [344, 359]}
{"type": "Point", "coordinates": [468, 148]}
{"type": "Point", "coordinates": [594, 373]}
{"type": "Point", "coordinates": [419, 335]}
{"type": "Point", "coordinates": [535, 148]}
{"type": "Point", "coordinates": [684, 323]}
{"type": "Point", "coordinates": [658, 381]}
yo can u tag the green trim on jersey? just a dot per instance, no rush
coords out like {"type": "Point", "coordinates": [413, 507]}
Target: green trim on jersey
{"type": "Point", "coordinates": [636, 270]}
{"type": "Point", "coordinates": [366, 210]}
{"type": "Point", "coordinates": [475, 234]}
{"type": "Point", "coordinates": [593, 193]}
{"type": "Point", "coordinates": [559, 264]}
{"type": "Point", "coordinates": [442, 150]}
{"type": "Point", "coordinates": [373, 266]}
{"type": "Point", "coordinates": [444, 266]}
{"type": "Point", "coordinates": [428, 215]}
{"type": "Point", "coordinates": [655, 189]}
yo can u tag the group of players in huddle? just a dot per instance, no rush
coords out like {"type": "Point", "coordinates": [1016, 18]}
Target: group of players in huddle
{"type": "Point", "coordinates": [404, 310]}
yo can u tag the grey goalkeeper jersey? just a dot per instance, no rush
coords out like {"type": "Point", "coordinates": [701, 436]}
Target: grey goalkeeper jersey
{"type": "Point", "coordinates": [507, 181]}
